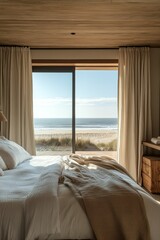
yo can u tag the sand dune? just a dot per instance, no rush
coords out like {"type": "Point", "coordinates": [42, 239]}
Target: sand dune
{"type": "Point", "coordinates": [94, 135]}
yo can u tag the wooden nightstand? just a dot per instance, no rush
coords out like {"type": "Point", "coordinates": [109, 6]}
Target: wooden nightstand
{"type": "Point", "coordinates": [151, 170]}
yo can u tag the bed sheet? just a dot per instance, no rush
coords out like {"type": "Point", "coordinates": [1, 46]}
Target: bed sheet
{"type": "Point", "coordinates": [15, 186]}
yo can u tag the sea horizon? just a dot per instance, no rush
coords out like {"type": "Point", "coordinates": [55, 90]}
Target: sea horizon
{"type": "Point", "coordinates": [81, 123]}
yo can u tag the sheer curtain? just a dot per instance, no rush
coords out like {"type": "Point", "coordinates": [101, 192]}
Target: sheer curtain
{"type": "Point", "coordinates": [134, 107]}
{"type": "Point", "coordinates": [16, 95]}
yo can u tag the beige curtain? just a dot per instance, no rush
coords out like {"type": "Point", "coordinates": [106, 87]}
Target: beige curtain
{"type": "Point", "coordinates": [134, 107]}
{"type": "Point", "coordinates": [16, 95]}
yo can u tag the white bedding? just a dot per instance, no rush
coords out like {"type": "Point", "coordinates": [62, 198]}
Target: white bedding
{"type": "Point", "coordinates": [16, 186]}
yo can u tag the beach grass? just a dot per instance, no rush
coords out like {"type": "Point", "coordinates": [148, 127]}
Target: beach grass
{"type": "Point", "coordinates": [110, 146]}
{"type": "Point", "coordinates": [43, 144]}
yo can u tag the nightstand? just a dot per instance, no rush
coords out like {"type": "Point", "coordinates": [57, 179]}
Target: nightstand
{"type": "Point", "coordinates": [151, 170]}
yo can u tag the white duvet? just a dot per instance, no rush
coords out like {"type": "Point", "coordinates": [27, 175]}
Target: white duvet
{"type": "Point", "coordinates": [23, 218]}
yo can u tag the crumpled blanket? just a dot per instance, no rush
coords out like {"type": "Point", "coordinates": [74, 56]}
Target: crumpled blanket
{"type": "Point", "coordinates": [113, 205]}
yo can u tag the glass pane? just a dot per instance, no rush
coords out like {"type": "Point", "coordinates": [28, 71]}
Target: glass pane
{"type": "Point", "coordinates": [52, 105]}
{"type": "Point", "coordinates": [96, 111]}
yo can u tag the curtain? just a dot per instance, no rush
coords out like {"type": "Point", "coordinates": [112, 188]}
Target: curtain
{"type": "Point", "coordinates": [16, 95]}
{"type": "Point", "coordinates": [134, 107]}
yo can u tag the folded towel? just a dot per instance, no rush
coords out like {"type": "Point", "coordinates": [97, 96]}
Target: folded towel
{"type": "Point", "coordinates": [155, 140]}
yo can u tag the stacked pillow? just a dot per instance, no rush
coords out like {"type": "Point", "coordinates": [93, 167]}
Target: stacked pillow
{"type": "Point", "coordinates": [11, 154]}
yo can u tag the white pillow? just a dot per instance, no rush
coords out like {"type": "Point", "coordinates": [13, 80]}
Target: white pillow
{"type": "Point", "coordinates": [1, 172]}
{"type": "Point", "coordinates": [2, 164]}
{"type": "Point", "coordinates": [12, 153]}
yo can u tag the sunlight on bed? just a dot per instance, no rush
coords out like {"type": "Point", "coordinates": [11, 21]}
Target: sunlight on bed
{"type": "Point", "coordinates": [92, 166]}
{"type": "Point", "coordinates": [44, 161]}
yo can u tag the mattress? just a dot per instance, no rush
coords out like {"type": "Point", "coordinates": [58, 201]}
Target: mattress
{"type": "Point", "coordinates": [15, 186]}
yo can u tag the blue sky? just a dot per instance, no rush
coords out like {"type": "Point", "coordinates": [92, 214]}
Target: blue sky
{"type": "Point", "coordinates": [96, 94]}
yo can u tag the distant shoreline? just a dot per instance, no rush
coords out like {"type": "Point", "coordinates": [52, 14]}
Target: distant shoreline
{"type": "Point", "coordinates": [81, 123]}
{"type": "Point", "coordinates": [52, 130]}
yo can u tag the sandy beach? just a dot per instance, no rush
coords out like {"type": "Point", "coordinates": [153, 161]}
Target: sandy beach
{"type": "Point", "coordinates": [94, 135]}
{"type": "Point", "coordinates": [89, 141]}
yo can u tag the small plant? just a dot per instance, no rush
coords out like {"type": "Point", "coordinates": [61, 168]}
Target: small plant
{"type": "Point", "coordinates": [111, 146]}
{"type": "Point", "coordinates": [85, 145]}
{"type": "Point", "coordinates": [65, 141]}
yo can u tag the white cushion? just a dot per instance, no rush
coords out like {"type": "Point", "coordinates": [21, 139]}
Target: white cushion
{"type": "Point", "coordinates": [12, 153]}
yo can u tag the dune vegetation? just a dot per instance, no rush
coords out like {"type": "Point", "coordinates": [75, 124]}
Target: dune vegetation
{"type": "Point", "coordinates": [50, 144]}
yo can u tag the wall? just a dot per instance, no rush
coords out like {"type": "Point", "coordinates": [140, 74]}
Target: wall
{"type": "Point", "coordinates": [57, 54]}
{"type": "Point", "coordinates": [112, 54]}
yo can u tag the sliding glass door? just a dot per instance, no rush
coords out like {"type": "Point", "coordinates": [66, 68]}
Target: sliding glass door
{"type": "Point", "coordinates": [75, 110]}
{"type": "Point", "coordinates": [53, 109]}
{"type": "Point", "coordinates": [96, 111]}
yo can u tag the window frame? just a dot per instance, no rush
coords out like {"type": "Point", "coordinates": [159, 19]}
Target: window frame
{"type": "Point", "coordinates": [72, 66]}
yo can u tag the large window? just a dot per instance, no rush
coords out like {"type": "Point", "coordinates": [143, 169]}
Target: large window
{"type": "Point", "coordinates": [96, 110]}
{"type": "Point", "coordinates": [52, 101]}
{"type": "Point", "coordinates": [75, 110]}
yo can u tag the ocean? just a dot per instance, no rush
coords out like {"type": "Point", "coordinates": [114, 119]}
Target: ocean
{"type": "Point", "coordinates": [86, 123]}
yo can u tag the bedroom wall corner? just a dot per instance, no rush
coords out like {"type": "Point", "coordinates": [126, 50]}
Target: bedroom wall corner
{"type": "Point", "coordinates": [155, 90]}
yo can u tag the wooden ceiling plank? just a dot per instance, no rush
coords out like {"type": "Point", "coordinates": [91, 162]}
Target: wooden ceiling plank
{"type": "Point", "coordinates": [97, 23]}
{"type": "Point", "coordinates": [75, 10]}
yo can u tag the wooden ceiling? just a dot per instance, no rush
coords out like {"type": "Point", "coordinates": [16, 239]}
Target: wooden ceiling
{"type": "Point", "coordinates": [80, 23]}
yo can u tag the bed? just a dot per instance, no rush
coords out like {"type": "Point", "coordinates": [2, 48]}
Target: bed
{"type": "Point", "coordinates": [54, 197]}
